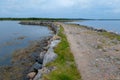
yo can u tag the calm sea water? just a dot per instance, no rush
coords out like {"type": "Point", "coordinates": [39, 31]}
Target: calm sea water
{"type": "Point", "coordinates": [113, 26]}
{"type": "Point", "coordinates": [14, 36]}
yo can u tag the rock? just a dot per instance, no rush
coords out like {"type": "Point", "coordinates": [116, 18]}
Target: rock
{"type": "Point", "coordinates": [51, 25]}
{"type": "Point", "coordinates": [31, 75]}
{"type": "Point", "coordinates": [54, 43]}
{"type": "Point", "coordinates": [46, 48]}
{"type": "Point", "coordinates": [39, 75]}
{"type": "Point", "coordinates": [42, 54]}
{"type": "Point", "coordinates": [39, 60]}
{"type": "Point", "coordinates": [101, 30]}
{"type": "Point", "coordinates": [36, 57]}
{"type": "Point", "coordinates": [49, 56]}
{"type": "Point", "coordinates": [37, 66]}
{"type": "Point", "coordinates": [52, 68]}
{"type": "Point", "coordinates": [45, 70]}
{"type": "Point", "coordinates": [56, 37]}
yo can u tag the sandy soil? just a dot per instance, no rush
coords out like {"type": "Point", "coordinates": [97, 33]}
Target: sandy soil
{"type": "Point", "coordinates": [97, 57]}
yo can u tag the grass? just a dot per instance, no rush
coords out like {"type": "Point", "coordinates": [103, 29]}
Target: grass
{"type": "Point", "coordinates": [111, 35]}
{"type": "Point", "coordinates": [65, 66]}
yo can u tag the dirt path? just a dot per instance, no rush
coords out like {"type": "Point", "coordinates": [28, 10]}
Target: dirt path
{"type": "Point", "coordinates": [97, 57]}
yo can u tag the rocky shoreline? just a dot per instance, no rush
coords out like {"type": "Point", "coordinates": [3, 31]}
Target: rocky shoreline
{"type": "Point", "coordinates": [41, 23]}
{"type": "Point", "coordinates": [97, 30]}
{"type": "Point", "coordinates": [23, 60]}
{"type": "Point", "coordinates": [29, 63]}
{"type": "Point", "coordinates": [38, 69]}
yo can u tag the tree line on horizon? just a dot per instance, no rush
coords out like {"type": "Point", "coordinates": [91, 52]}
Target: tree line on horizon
{"type": "Point", "coordinates": [42, 19]}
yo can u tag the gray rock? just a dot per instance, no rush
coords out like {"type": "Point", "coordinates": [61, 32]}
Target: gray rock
{"type": "Point", "coordinates": [54, 43]}
{"type": "Point", "coordinates": [42, 54]}
{"type": "Point", "coordinates": [101, 30]}
{"type": "Point", "coordinates": [37, 66]}
{"type": "Point", "coordinates": [49, 57]}
{"type": "Point", "coordinates": [38, 76]}
{"type": "Point", "coordinates": [39, 60]}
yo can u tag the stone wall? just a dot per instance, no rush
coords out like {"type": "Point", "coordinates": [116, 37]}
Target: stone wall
{"type": "Point", "coordinates": [39, 68]}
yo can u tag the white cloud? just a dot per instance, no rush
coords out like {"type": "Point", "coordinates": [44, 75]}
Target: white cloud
{"type": "Point", "coordinates": [20, 6]}
{"type": "Point", "coordinates": [60, 3]}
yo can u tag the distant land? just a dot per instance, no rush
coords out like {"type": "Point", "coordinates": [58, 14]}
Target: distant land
{"type": "Point", "coordinates": [49, 19]}
{"type": "Point", "coordinates": [52, 19]}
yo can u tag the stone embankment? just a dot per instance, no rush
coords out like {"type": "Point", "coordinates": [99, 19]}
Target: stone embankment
{"type": "Point", "coordinates": [40, 23]}
{"type": "Point", "coordinates": [46, 56]}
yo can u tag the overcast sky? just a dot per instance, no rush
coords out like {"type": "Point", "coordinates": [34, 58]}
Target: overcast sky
{"type": "Point", "coordinates": [61, 8]}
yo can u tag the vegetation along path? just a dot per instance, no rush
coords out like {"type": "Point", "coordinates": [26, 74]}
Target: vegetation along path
{"type": "Point", "coordinates": [97, 54]}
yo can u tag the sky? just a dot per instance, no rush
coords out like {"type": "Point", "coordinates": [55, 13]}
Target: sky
{"type": "Point", "coordinates": [92, 9]}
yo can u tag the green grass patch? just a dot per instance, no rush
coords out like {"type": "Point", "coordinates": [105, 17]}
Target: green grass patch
{"type": "Point", "coordinates": [111, 35]}
{"type": "Point", "coordinates": [65, 65]}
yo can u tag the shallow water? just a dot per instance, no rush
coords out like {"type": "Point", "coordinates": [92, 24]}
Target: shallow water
{"type": "Point", "coordinates": [14, 36]}
{"type": "Point", "coordinates": [113, 26]}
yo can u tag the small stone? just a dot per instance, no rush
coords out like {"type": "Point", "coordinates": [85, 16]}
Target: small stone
{"type": "Point", "coordinates": [56, 37]}
{"type": "Point", "coordinates": [31, 75]}
{"type": "Point", "coordinates": [45, 70]}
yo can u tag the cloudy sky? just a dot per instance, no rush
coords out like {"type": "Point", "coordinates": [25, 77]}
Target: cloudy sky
{"type": "Point", "coordinates": [61, 8]}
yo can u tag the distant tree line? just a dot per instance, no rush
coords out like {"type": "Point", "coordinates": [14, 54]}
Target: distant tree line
{"type": "Point", "coordinates": [47, 19]}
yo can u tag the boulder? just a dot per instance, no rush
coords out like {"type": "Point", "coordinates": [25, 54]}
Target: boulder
{"type": "Point", "coordinates": [49, 56]}
{"type": "Point", "coordinates": [42, 54]}
{"type": "Point", "coordinates": [101, 30]}
{"type": "Point", "coordinates": [39, 60]}
{"type": "Point", "coordinates": [37, 66]}
{"type": "Point", "coordinates": [54, 43]}
{"type": "Point", "coordinates": [39, 75]}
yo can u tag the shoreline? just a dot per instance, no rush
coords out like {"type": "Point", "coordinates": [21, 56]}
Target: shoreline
{"type": "Point", "coordinates": [23, 60]}
{"type": "Point", "coordinates": [47, 56]}
{"type": "Point", "coordinates": [89, 46]}
{"type": "Point", "coordinates": [30, 58]}
{"type": "Point", "coordinates": [107, 32]}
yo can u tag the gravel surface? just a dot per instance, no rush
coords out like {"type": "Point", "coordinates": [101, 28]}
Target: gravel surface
{"type": "Point", "coordinates": [96, 57]}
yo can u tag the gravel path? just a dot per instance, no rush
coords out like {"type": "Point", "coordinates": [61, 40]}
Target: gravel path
{"type": "Point", "coordinates": [97, 57]}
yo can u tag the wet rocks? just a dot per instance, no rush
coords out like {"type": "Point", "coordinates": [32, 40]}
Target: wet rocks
{"type": "Point", "coordinates": [47, 57]}
{"type": "Point", "coordinates": [47, 53]}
